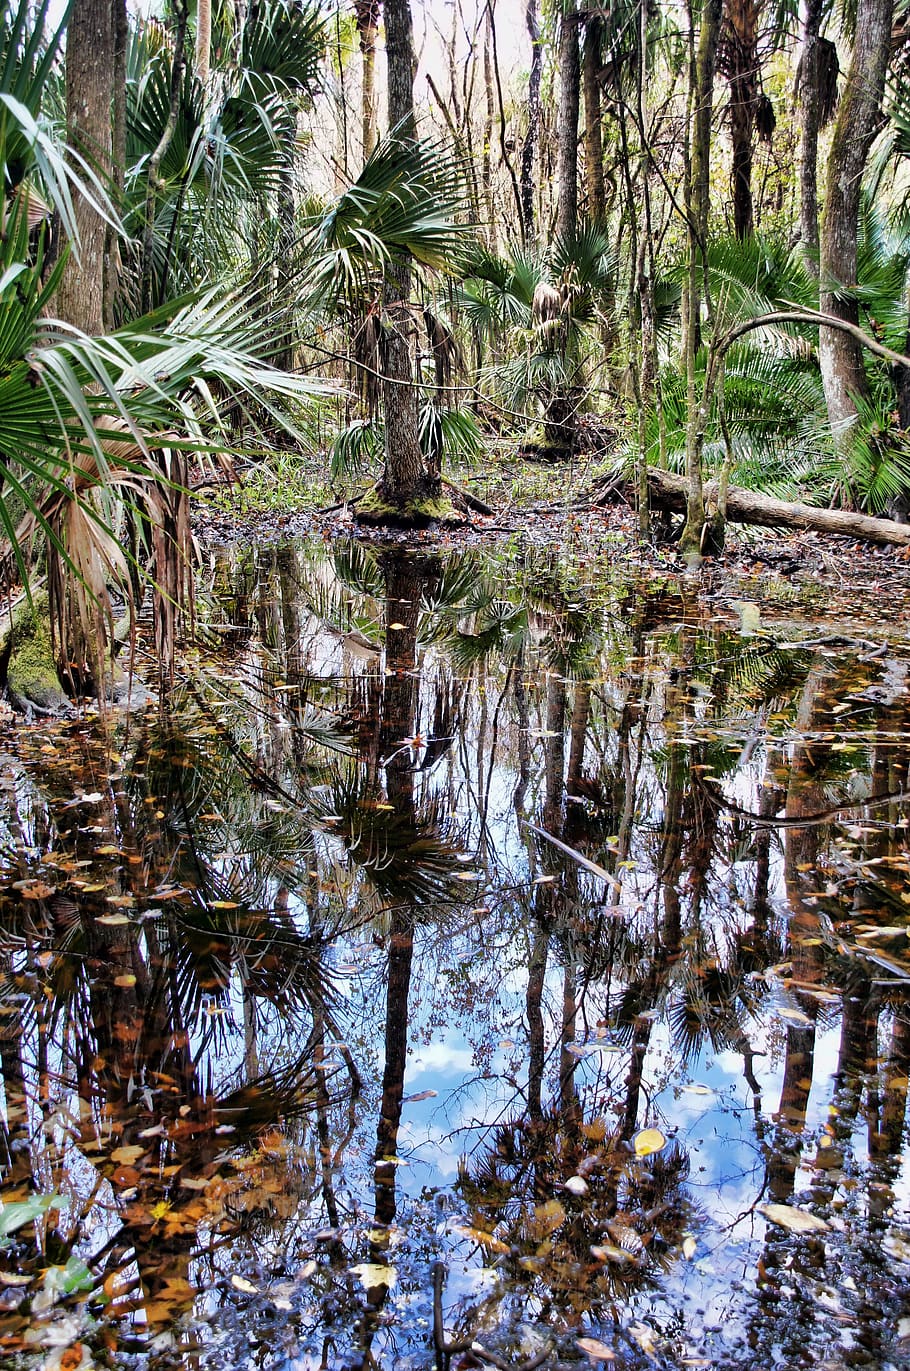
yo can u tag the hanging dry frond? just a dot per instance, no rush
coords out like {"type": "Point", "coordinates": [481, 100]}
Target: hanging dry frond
{"type": "Point", "coordinates": [765, 119]}
{"type": "Point", "coordinates": [828, 72]}
{"type": "Point", "coordinates": [828, 69]}
{"type": "Point", "coordinates": [88, 556]}
{"type": "Point", "coordinates": [366, 351]}
{"type": "Point", "coordinates": [448, 358]}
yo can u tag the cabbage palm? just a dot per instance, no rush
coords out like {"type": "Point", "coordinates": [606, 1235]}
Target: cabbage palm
{"type": "Point", "coordinates": [87, 424]}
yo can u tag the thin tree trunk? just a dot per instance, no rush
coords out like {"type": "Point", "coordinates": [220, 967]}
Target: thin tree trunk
{"type": "Point", "coordinates": [366, 14]}
{"type": "Point", "coordinates": [698, 192]}
{"type": "Point", "coordinates": [404, 475]}
{"type": "Point", "coordinates": [594, 153]}
{"type": "Point", "coordinates": [529, 146]}
{"type": "Point", "coordinates": [486, 163]}
{"type": "Point", "coordinates": [858, 121]}
{"type": "Point", "coordinates": [203, 39]}
{"type": "Point", "coordinates": [113, 264]}
{"type": "Point", "coordinates": [567, 124]}
{"type": "Point", "coordinates": [89, 94]}
{"type": "Point", "coordinates": [809, 78]}
{"type": "Point", "coordinates": [742, 18]}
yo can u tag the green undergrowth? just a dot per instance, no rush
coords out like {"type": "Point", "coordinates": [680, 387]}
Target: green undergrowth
{"type": "Point", "coordinates": [293, 482]}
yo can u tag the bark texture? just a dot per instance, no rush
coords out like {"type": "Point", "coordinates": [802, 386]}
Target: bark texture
{"type": "Point", "coordinates": [594, 153]}
{"type": "Point", "coordinates": [366, 13]}
{"type": "Point", "coordinates": [404, 475]}
{"type": "Point", "coordinates": [567, 123]}
{"type": "Point", "coordinates": [701, 81]}
{"type": "Point", "coordinates": [840, 356]}
{"type": "Point", "coordinates": [89, 94]}
{"type": "Point", "coordinates": [741, 44]}
{"type": "Point", "coordinates": [809, 93]}
{"type": "Point", "coordinates": [529, 146]}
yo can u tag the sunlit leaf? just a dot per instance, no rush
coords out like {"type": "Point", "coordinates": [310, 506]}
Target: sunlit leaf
{"type": "Point", "coordinates": [649, 1140]}
{"type": "Point", "coordinates": [372, 1275]}
{"type": "Point", "coordinates": [595, 1349]}
{"type": "Point", "coordinates": [793, 1219]}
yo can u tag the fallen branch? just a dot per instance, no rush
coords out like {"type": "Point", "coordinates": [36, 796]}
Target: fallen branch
{"type": "Point", "coordinates": [748, 507]}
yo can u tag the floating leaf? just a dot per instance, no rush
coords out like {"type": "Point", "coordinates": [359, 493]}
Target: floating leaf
{"type": "Point", "coordinates": [125, 1156]}
{"type": "Point", "coordinates": [689, 1246]}
{"type": "Point", "coordinates": [375, 1274]}
{"type": "Point", "coordinates": [125, 982]}
{"type": "Point", "coordinates": [244, 1286]}
{"type": "Point", "coordinates": [795, 1016]}
{"type": "Point", "coordinates": [595, 1349]}
{"type": "Point", "coordinates": [649, 1140]}
{"type": "Point", "coordinates": [484, 1239]}
{"type": "Point", "coordinates": [112, 920]}
{"type": "Point", "coordinates": [793, 1219]}
{"type": "Point", "coordinates": [421, 1095]}
{"type": "Point", "coordinates": [576, 1185]}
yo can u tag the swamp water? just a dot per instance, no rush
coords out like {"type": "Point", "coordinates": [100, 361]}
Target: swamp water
{"type": "Point", "coordinates": [501, 952]}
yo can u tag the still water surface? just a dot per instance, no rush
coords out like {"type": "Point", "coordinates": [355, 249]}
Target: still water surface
{"type": "Point", "coordinates": [491, 961]}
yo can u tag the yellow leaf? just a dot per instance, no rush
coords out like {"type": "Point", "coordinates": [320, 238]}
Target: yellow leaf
{"type": "Point", "coordinates": [373, 1274]}
{"type": "Point", "coordinates": [125, 1156]}
{"type": "Point", "coordinates": [793, 1219]}
{"type": "Point", "coordinates": [244, 1286]}
{"type": "Point", "coordinates": [689, 1246]}
{"type": "Point", "coordinates": [125, 982]}
{"type": "Point", "coordinates": [595, 1349]}
{"type": "Point", "coordinates": [223, 904]}
{"type": "Point", "coordinates": [649, 1140]}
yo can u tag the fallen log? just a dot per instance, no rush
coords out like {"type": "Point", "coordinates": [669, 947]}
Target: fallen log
{"type": "Point", "coordinates": [748, 507]}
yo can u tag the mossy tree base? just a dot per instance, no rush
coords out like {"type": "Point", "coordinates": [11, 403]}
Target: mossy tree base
{"type": "Point", "coordinates": [378, 508]}
{"type": "Point", "coordinates": [28, 668]}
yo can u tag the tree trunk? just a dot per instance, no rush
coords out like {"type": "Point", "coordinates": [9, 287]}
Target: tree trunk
{"type": "Point", "coordinates": [742, 20]}
{"type": "Point", "coordinates": [367, 15]}
{"type": "Point", "coordinates": [701, 83]}
{"type": "Point", "coordinates": [113, 264]}
{"type": "Point", "coordinates": [203, 39]}
{"type": "Point", "coordinates": [529, 146]}
{"type": "Point", "coordinates": [858, 121]}
{"type": "Point", "coordinates": [810, 102]}
{"type": "Point", "coordinates": [404, 476]}
{"type": "Point", "coordinates": [89, 93]}
{"type": "Point", "coordinates": [749, 507]}
{"type": "Point", "coordinates": [489, 115]}
{"type": "Point", "coordinates": [594, 153]}
{"type": "Point", "coordinates": [567, 124]}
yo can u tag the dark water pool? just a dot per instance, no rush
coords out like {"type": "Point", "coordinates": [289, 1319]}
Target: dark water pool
{"type": "Point", "coordinates": [480, 961]}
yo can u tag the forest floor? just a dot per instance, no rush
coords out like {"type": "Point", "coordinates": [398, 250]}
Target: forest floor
{"type": "Point", "coordinates": [545, 505]}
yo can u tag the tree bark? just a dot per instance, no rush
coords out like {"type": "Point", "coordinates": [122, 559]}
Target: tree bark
{"type": "Point", "coordinates": [701, 83]}
{"type": "Point", "coordinates": [113, 264]}
{"type": "Point", "coordinates": [594, 153]}
{"type": "Point", "coordinates": [529, 146]}
{"type": "Point", "coordinates": [404, 475]}
{"type": "Point", "coordinates": [749, 507]}
{"type": "Point", "coordinates": [89, 93]}
{"type": "Point", "coordinates": [742, 19]}
{"type": "Point", "coordinates": [367, 16]}
{"type": "Point", "coordinates": [810, 101]}
{"type": "Point", "coordinates": [567, 124]}
{"type": "Point", "coordinates": [203, 39]}
{"type": "Point", "coordinates": [858, 121]}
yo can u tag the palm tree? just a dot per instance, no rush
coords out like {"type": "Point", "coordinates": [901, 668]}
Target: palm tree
{"type": "Point", "coordinates": [88, 423]}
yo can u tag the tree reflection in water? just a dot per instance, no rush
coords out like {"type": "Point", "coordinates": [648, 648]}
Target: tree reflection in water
{"type": "Point", "coordinates": [553, 844]}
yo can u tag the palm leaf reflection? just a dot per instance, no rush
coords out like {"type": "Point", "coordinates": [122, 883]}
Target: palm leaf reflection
{"type": "Point", "coordinates": [586, 1250]}
{"type": "Point", "coordinates": [407, 854]}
